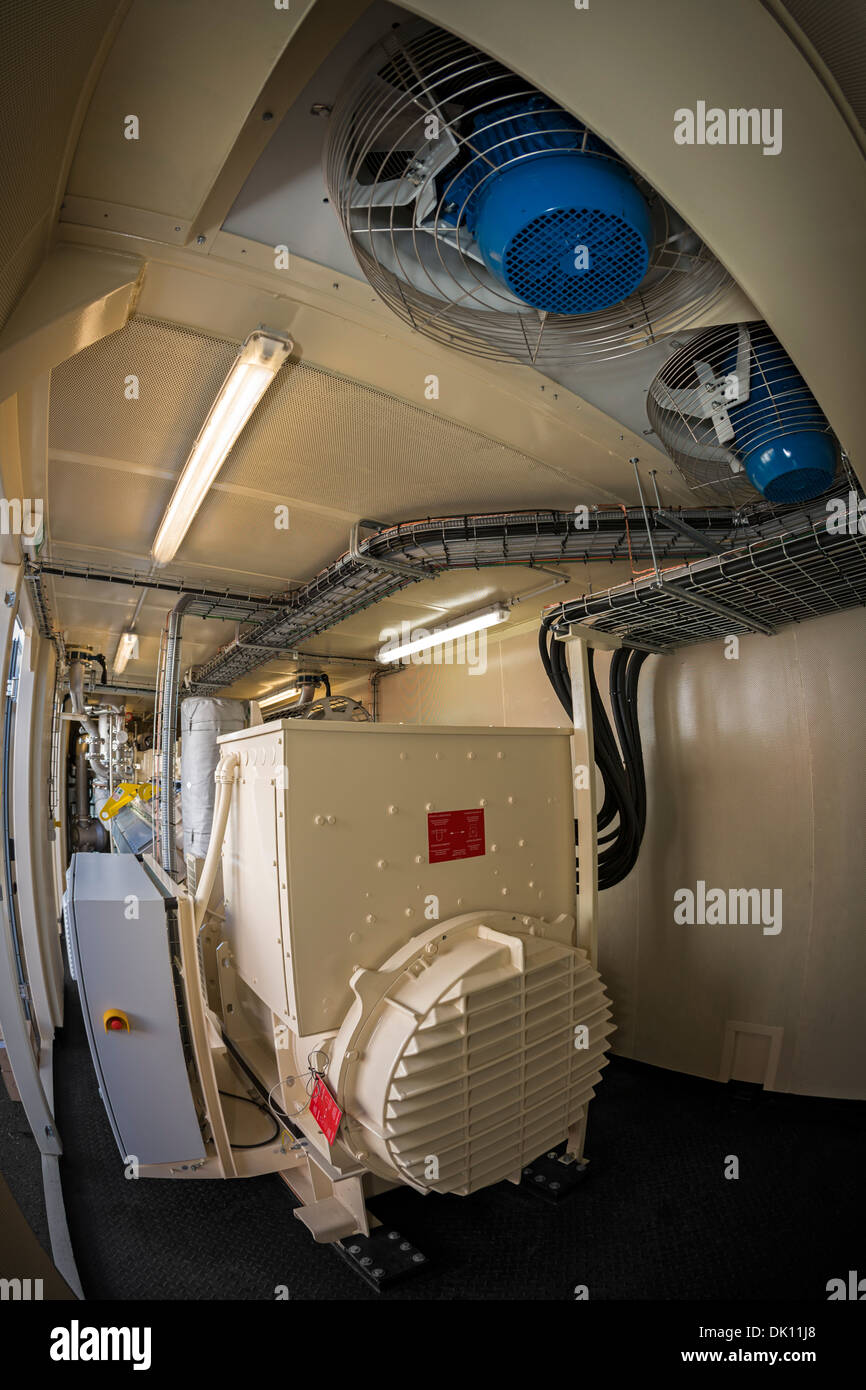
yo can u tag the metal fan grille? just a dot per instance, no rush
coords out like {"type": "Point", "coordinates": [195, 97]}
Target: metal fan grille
{"type": "Point", "coordinates": [710, 370]}
{"type": "Point", "coordinates": [410, 222]}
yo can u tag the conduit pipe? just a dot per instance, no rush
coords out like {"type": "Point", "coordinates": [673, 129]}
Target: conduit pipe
{"type": "Point", "coordinates": [224, 776]}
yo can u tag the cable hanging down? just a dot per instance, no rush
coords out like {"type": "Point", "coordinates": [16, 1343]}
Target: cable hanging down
{"type": "Point", "coordinates": [619, 755]}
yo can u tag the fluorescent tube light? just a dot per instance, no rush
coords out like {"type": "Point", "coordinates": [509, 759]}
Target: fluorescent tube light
{"type": "Point", "coordinates": [127, 647]}
{"type": "Point", "coordinates": [254, 368]}
{"type": "Point", "coordinates": [278, 698]}
{"type": "Point", "coordinates": [460, 627]}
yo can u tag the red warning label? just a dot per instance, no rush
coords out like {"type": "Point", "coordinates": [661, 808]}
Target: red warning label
{"type": "Point", "coordinates": [455, 835]}
{"type": "Point", "coordinates": [325, 1110]}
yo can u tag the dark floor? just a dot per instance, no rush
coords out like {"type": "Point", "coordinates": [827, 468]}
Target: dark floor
{"type": "Point", "coordinates": [21, 1166]}
{"type": "Point", "coordinates": [655, 1218]}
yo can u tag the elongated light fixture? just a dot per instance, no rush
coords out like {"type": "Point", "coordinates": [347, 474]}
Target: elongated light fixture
{"type": "Point", "coordinates": [127, 647]}
{"type": "Point", "coordinates": [260, 358]}
{"type": "Point", "coordinates": [461, 627]}
{"type": "Point", "coordinates": [278, 698]}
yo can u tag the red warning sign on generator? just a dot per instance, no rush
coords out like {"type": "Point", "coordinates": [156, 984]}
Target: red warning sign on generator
{"type": "Point", "coordinates": [455, 835]}
{"type": "Point", "coordinates": [325, 1110]}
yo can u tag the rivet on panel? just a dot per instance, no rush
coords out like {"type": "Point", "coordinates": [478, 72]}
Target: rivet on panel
{"type": "Point", "coordinates": [483, 801]}
{"type": "Point", "coordinates": [382, 864]}
{"type": "Point", "coordinates": [470, 755]}
{"type": "Point", "coordinates": [521, 844]}
{"type": "Point", "coordinates": [410, 912]}
{"type": "Point", "coordinates": [354, 937]}
{"type": "Point", "coordinates": [429, 806]}
{"type": "Point", "coordinates": [331, 820]}
{"type": "Point", "coordinates": [318, 820]}
{"type": "Point", "coordinates": [370, 919]}
{"type": "Point", "coordinates": [392, 810]}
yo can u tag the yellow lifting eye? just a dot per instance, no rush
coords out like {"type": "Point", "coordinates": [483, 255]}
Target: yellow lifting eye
{"type": "Point", "coordinates": [115, 1021]}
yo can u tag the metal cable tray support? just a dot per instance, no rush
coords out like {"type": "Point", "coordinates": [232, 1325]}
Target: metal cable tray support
{"type": "Point", "coordinates": [427, 546]}
{"type": "Point", "coordinates": [761, 587]}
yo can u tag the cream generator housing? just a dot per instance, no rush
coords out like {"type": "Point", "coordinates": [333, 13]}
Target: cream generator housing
{"type": "Point", "coordinates": [400, 928]}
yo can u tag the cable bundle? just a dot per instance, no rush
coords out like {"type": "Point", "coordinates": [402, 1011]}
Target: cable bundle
{"type": "Point", "coordinates": [620, 763]}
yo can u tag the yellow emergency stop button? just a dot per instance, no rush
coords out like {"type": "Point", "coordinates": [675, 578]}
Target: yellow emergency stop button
{"type": "Point", "coordinates": [115, 1021]}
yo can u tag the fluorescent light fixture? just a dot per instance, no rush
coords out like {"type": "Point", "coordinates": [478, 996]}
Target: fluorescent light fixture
{"type": "Point", "coordinates": [253, 370]}
{"type": "Point", "coordinates": [278, 698]}
{"type": "Point", "coordinates": [127, 648]}
{"type": "Point", "coordinates": [460, 627]}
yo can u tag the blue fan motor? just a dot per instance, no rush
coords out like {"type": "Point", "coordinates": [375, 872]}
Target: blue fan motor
{"type": "Point", "coordinates": [781, 432]}
{"type": "Point", "coordinates": [564, 228]}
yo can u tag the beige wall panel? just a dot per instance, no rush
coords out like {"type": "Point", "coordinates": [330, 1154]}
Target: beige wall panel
{"type": "Point", "coordinates": [191, 72]}
{"type": "Point", "coordinates": [831, 1049]}
{"type": "Point", "coordinates": [754, 772]}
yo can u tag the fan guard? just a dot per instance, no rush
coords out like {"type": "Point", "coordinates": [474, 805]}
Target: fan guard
{"type": "Point", "coordinates": [417, 147]}
{"type": "Point", "coordinates": [737, 418]}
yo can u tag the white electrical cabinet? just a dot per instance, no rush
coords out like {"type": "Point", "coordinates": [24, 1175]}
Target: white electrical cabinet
{"type": "Point", "coordinates": [119, 923]}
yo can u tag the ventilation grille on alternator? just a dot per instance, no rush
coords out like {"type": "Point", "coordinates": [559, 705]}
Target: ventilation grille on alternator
{"type": "Point", "coordinates": [493, 1078]}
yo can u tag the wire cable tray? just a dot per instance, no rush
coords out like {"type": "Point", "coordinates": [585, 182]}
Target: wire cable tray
{"type": "Point", "coordinates": [760, 587]}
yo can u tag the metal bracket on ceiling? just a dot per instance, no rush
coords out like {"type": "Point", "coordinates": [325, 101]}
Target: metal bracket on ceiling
{"type": "Point", "coordinates": [403, 568]}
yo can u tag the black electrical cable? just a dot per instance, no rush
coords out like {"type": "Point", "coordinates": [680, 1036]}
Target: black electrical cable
{"type": "Point", "coordinates": [247, 1100]}
{"type": "Point", "coordinates": [619, 756]}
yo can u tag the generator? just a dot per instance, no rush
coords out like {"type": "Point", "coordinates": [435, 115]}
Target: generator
{"type": "Point", "coordinates": [380, 952]}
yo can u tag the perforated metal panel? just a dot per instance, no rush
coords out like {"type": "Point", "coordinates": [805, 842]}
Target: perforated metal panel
{"type": "Point", "coordinates": [179, 373]}
{"type": "Point", "coordinates": [47, 51]}
{"type": "Point", "coordinates": [839, 34]}
{"type": "Point", "coordinates": [336, 441]}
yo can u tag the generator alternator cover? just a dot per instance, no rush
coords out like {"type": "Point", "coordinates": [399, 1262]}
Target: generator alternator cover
{"type": "Point", "coordinates": [471, 1051]}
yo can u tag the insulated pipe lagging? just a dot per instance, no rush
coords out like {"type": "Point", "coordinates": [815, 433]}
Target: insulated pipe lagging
{"type": "Point", "coordinates": [224, 776]}
{"type": "Point", "coordinates": [91, 728]}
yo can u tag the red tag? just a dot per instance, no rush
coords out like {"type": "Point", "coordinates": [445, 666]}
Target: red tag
{"type": "Point", "coordinates": [455, 835]}
{"type": "Point", "coordinates": [325, 1110]}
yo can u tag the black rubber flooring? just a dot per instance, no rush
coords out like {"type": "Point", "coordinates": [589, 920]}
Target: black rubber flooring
{"type": "Point", "coordinates": [654, 1219]}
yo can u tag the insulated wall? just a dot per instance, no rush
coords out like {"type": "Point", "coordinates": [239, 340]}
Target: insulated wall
{"type": "Point", "coordinates": [755, 780]}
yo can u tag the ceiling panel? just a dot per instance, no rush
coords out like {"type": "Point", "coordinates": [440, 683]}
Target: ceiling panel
{"type": "Point", "coordinates": [325, 438]}
{"type": "Point", "coordinates": [179, 373]}
{"type": "Point", "coordinates": [239, 531]}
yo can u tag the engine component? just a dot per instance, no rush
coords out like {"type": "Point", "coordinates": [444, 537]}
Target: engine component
{"type": "Point", "coordinates": [332, 707]}
{"type": "Point", "coordinates": [469, 1052]}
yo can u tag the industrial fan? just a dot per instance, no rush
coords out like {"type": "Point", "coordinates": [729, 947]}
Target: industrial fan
{"type": "Point", "coordinates": [491, 219]}
{"type": "Point", "coordinates": [737, 417]}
